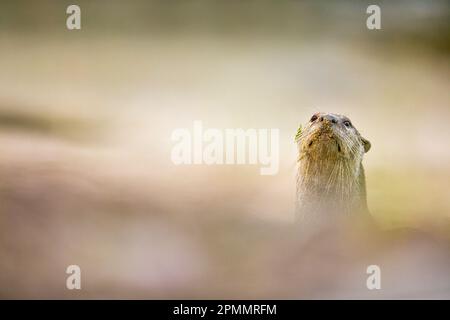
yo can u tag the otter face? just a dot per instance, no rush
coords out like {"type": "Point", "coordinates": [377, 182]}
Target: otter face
{"type": "Point", "coordinates": [331, 136]}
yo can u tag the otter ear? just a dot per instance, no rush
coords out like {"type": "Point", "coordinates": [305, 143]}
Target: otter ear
{"type": "Point", "coordinates": [366, 144]}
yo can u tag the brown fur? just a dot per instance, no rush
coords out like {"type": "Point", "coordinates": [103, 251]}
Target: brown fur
{"type": "Point", "coordinates": [330, 181]}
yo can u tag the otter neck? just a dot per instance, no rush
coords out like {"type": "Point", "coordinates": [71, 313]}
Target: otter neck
{"type": "Point", "coordinates": [329, 189]}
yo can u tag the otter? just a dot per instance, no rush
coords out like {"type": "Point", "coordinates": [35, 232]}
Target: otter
{"type": "Point", "coordinates": [330, 179]}
{"type": "Point", "coordinates": [336, 228]}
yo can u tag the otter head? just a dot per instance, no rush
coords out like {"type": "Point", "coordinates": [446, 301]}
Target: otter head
{"type": "Point", "coordinates": [330, 137]}
{"type": "Point", "coordinates": [330, 172]}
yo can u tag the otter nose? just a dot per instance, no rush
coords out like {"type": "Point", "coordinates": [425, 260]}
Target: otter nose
{"type": "Point", "coordinates": [328, 118]}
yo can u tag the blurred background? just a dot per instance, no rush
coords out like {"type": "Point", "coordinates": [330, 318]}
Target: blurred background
{"type": "Point", "coordinates": [86, 118]}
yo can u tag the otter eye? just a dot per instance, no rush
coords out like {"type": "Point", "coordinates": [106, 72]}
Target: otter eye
{"type": "Point", "coordinates": [314, 118]}
{"type": "Point", "coordinates": [347, 124]}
